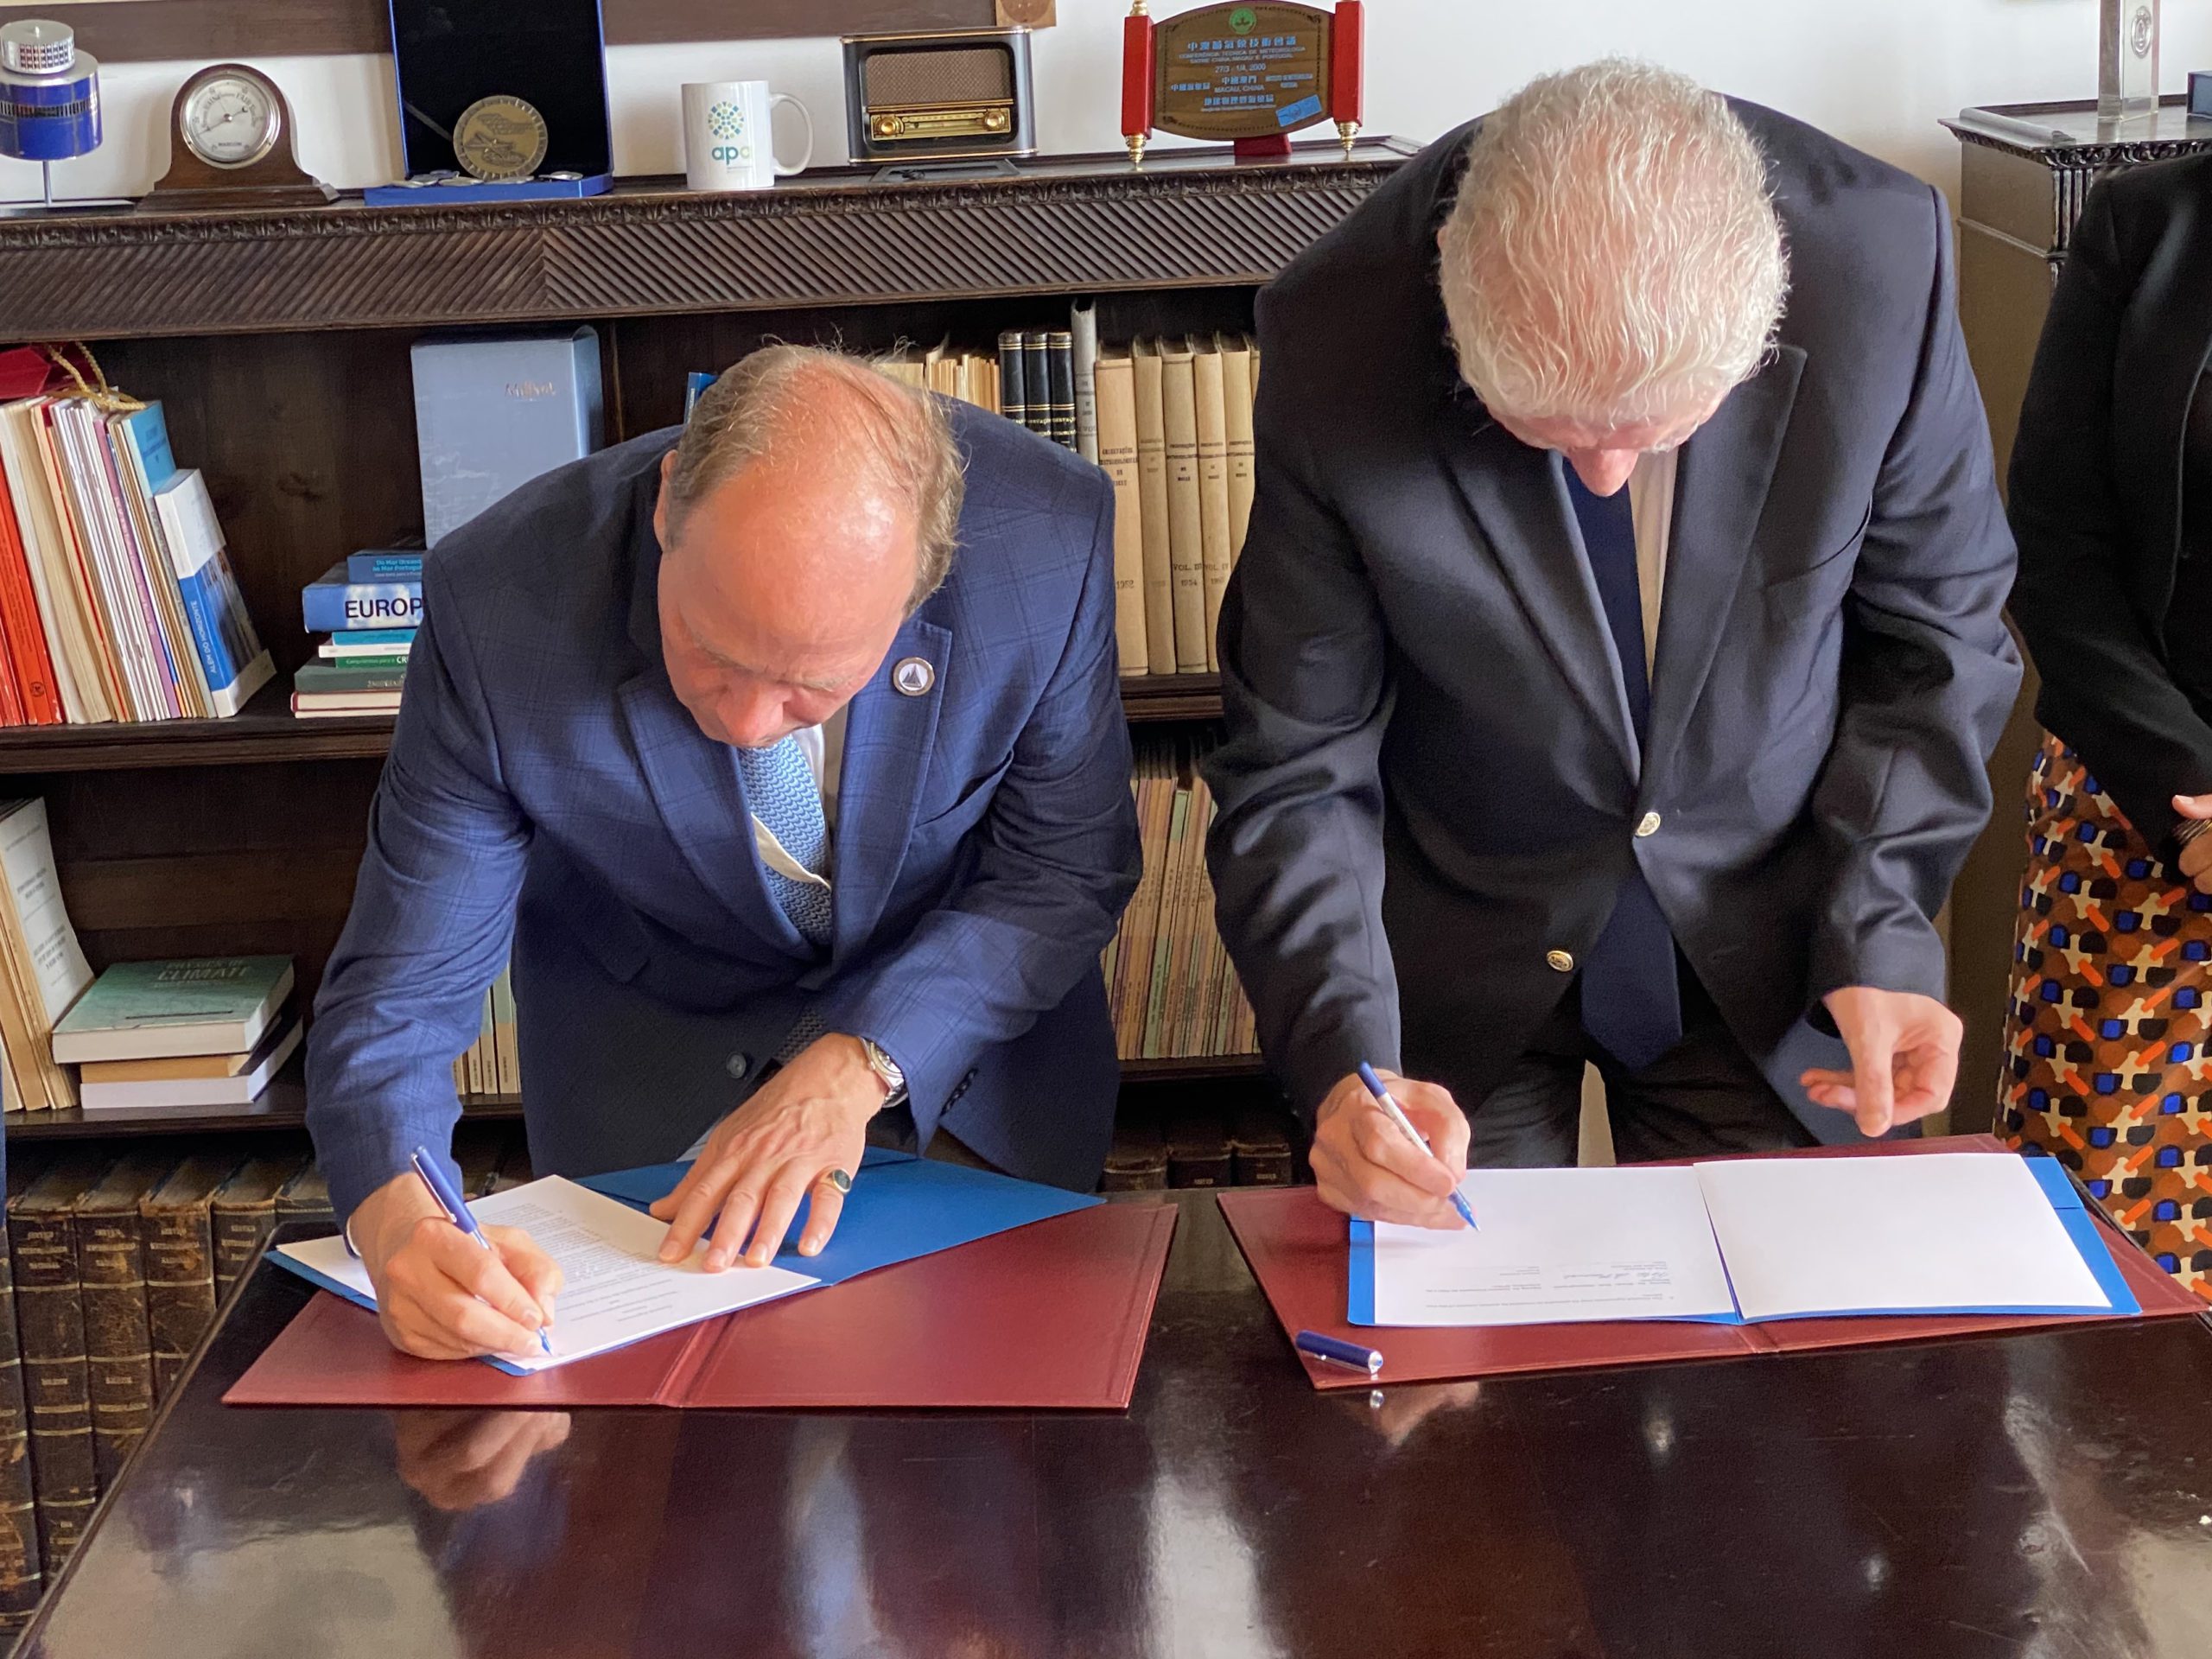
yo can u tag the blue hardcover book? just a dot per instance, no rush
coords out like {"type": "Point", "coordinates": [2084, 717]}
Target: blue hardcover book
{"type": "Point", "coordinates": [493, 413]}
{"type": "Point", "coordinates": [330, 604]}
{"type": "Point", "coordinates": [384, 564]}
{"type": "Point", "coordinates": [232, 659]}
{"type": "Point", "coordinates": [695, 383]}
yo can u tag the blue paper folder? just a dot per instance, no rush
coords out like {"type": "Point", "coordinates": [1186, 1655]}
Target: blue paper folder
{"type": "Point", "coordinates": [2081, 1227]}
{"type": "Point", "coordinates": [901, 1207]}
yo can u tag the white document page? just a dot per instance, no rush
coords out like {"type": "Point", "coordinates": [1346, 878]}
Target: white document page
{"type": "Point", "coordinates": [1554, 1246]}
{"type": "Point", "coordinates": [617, 1289]}
{"type": "Point", "coordinates": [1940, 1230]}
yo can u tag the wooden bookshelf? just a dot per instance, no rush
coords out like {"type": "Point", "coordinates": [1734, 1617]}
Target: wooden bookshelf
{"type": "Point", "coordinates": [278, 343]}
{"type": "Point", "coordinates": [282, 1105]}
{"type": "Point", "coordinates": [266, 731]}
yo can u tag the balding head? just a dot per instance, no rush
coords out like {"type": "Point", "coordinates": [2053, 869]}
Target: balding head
{"type": "Point", "coordinates": [1613, 265]}
{"type": "Point", "coordinates": [808, 510]}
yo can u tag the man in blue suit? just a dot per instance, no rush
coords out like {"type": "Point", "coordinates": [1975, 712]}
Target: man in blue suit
{"type": "Point", "coordinates": [787, 753]}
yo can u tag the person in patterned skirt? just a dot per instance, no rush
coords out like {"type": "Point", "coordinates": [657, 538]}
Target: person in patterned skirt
{"type": "Point", "coordinates": [2106, 1034]}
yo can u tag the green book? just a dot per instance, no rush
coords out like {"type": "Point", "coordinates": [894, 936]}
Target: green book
{"type": "Point", "coordinates": [160, 1010]}
{"type": "Point", "coordinates": [347, 676]}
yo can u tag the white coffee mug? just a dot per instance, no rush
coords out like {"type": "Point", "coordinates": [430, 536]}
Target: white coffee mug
{"type": "Point", "coordinates": [727, 145]}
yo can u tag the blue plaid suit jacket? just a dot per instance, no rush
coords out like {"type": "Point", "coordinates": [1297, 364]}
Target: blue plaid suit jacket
{"type": "Point", "coordinates": [546, 789]}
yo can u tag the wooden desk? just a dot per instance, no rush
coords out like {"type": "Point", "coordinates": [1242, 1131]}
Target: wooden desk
{"type": "Point", "coordinates": [2042, 1494]}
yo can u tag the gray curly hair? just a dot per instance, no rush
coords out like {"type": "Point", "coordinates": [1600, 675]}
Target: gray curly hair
{"type": "Point", "coordinates": [1613, 255]}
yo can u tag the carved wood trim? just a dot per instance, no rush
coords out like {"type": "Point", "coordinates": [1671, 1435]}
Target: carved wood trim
{"type": "Point", "coordinates": [648, 249]}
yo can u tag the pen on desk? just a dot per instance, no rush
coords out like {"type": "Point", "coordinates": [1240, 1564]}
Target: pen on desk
{"type": "Point", "coordinates": [1339, 1353]}
{"type": "Point", "coordinates": [1397, 1115]}
{"type": "Point", "coordinates": [457, 1208]}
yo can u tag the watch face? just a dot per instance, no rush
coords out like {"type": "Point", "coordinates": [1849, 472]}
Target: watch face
{"type": "Point", "coordinates": [230, 120]}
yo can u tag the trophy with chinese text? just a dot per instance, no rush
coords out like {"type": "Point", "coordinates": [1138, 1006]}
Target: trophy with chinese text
{"type": "Point", "coordinates": [1253, 74]}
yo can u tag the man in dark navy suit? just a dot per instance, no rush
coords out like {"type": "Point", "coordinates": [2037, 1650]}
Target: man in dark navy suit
{"type": "Point", "coordinates": [787, 752]}
{"type": "Point", "coordinates": [1615, 651]}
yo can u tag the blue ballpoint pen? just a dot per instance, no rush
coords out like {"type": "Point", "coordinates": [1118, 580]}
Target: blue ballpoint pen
{"type": "Point", "coordinates": [451, 1202]}
{"type": "Point", "coordinates": [1397, 1116]}
{"type": "Point", "coordinates": [1336, 1352]}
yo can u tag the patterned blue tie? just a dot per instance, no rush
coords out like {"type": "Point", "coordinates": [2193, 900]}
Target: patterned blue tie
{"type": "Point", "coordinates": [1631, 1002]}
{"type": "Point", "coordinates": [782, 793]}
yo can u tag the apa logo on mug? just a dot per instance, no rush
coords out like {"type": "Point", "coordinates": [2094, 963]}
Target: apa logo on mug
{"type": "Point", "coordinates": [720, 121]}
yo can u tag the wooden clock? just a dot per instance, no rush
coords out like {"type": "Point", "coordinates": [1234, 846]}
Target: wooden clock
{"type": "Point", "coordinates": [231, 145]}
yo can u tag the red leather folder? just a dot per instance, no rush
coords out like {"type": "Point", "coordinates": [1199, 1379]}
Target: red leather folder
{"type": "Point", "coordinates": [1048, 1316]}
{"type": "Point", "coordinates": [1296, 1247]}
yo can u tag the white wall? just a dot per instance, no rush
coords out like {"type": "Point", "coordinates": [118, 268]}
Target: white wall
{"type": "Point", "coordinates": [1877, 73]}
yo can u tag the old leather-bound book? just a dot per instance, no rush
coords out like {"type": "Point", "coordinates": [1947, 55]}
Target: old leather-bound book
{"type": "Point", "coordinates": [111, 1280]}
{"type": "Point", "coordinates": [176, 1227]}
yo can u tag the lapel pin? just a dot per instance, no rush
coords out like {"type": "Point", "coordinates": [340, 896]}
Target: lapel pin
{"type": "Point", "coordinates": [913, 676]}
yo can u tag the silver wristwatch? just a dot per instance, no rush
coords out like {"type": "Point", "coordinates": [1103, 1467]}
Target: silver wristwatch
{"type": "Point", "coordinates": [894, 1080]}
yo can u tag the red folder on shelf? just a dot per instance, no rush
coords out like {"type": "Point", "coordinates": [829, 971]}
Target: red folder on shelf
{"type": "Point", "coordinates": [1049, 1316]}
{"type": "Point", "coordinates": [1297, 1249]}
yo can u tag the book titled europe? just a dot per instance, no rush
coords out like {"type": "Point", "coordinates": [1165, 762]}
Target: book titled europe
{"type": "Point", "coordinates": [209, 1004]}
{"type": "Point", "coordinates": [332, 604]}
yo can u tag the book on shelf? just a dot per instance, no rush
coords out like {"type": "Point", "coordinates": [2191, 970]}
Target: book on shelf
{"type": "Point", "coordinates": [176, 1234]}
{"type": "Point", "coordinates": [377, 564]}
{"type": "Point", "coordinates": [42, 966]}
{"type": "Point", "coordinates": [1083, 331]}
{"type": "Point", "coordinates": [348, 677]}
{"type": "Point", "coordinates": [1145, 370]}
{"type": "Point", "coordinates": [305, 1199]}
{"type": "Point", "coordinates": [169, 1007]}
{"type": "Point", "coordinates": [159, 1088]}
{"type": "Point", "coordinates": [21, 1577]}
{"type": "Point", "coordinates": [1213, 484]}
{"type": "Point", "coordinates": [1114, 439]}
{"type": "Point", "coordinates": [1238, 354]}
{"type": "Point", "coordinates": [382, 647]}
{"type": "Point", "coordinates": [1037, 374]}
{"type": "Point", "coordinates": [1186, 515]}
{"type": "Point", "coordinates": [112, 1280]}
{"type": "Point", "coordinates": [333, 603]}
{"type": "Point", "coordinates": [1060, 365]}
{"type": "Point", "coordinates": [695, 383]}
{"type": "Point", "coordinates": [243, 1211]}
{"type": "Point", "coordinates": [50, 1327]}
{"type": "Point", "coordinates": [1013, 377]}
{"type": "Point", "coordinates": [493, 412]}
{"type": "Point", "coordinates": [117, 598]}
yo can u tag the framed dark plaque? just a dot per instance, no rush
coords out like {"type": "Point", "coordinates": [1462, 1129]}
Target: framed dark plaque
{"type": "Point", "coordinates": [1249, 74]}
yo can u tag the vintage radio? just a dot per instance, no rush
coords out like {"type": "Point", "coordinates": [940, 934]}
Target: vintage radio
{"type": "Point", "coordinates": [952, 96]}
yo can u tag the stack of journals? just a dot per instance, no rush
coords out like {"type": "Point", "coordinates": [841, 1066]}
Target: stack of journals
{"type": "Point", "coordinates": [117, 601]}
{"type": "Point", "coordinates": [491, 1068]}
{"type": "Point", "coordinates": [1174, 424]}
{"type": "Point", "coordinates": [187, 1034]}
{"type": "Point", "coordinates": [370, 606]}
{"type": "Point", "coordinates": [42, 968]}
{"type": "Point", "coordinates": [1173, 992]}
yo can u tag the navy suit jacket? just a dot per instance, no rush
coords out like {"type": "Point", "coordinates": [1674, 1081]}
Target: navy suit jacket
{"type": "Point", "coordinates": [1431, 780]}
{"type": "Point", "coordinates": [546, 786]}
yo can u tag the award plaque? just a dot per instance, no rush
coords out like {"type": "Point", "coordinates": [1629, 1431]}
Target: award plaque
{"type": "Point", "coordinates": [1253, 74]}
